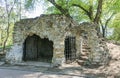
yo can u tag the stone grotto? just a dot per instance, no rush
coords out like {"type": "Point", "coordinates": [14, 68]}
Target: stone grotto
{"type": "Point", "coordinates": [56, 39]}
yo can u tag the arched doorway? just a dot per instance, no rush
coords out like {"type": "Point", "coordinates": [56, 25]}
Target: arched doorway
{"type": "Point", "coordinates": [37, 49]}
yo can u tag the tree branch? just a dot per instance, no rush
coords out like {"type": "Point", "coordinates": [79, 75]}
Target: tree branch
{"type": "Point", "coordinates": [88, 12]}
{"type": "Point", "coordinates": [107, 21]}
{"type": "Point", "coordinates": [80, 7]}
{"type": "Point", "coordinates": [62, 10]}
{"type": "Point", "coordinates": [85, 10]}
{"type": "Point", "coordinates": [91, 12]}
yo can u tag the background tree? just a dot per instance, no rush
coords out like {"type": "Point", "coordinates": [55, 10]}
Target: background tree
{"type": "Point", "coordinates": [116, 26]}
{"type": "Point", "coordinates": [96, 11]}
{"type": "Point", "coordinates": [10, 13]}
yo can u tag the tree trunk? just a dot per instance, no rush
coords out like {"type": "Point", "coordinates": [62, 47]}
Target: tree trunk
{"type": "Point", "coordinates": [7, 36]}
{"type": "Point", "coordinates": [103, 31]}
{"type": "Point", "coordinates": [8, 22]}
{"type": "Point", "coordinates": [99, 11]}
{"type": "Point", "coordinates": [104, 27]}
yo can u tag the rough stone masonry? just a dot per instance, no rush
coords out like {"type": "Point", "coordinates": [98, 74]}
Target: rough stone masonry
{"type": "Point", "coordinates": [56, 28]}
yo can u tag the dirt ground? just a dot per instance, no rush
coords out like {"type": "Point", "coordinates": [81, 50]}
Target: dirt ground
{"type": "Point", "coordinates": [112, 70]}
{"type": "Point", "coordinates": [8, 73]}
{"type": "Point", "coordinates": [67, 71]}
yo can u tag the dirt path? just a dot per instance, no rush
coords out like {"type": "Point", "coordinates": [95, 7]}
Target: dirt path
{"type": "Point", "coordinates": [44, 72]}
{"type": "Point", "coordinates": [9, 73]}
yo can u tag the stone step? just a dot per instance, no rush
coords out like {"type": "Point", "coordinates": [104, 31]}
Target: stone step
{"type": "Point", "coordinates": [84, 50]}
{"type": "Point", "coordinates": [84, 53]}
{"type": "Point", "coordinates": [80, 62]}
{"type": "Point", "coordinates": [84, 58]}
{"type": "Point", "coordinates": [84, 45]}
{"type": "Point", "coordinates": [87, 48]}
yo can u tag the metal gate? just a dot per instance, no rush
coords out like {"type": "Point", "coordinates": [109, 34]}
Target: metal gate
{"type": "Point", "coordinates": [70, 49]}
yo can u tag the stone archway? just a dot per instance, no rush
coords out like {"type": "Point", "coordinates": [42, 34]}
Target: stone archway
{"type": "Point", "coordinates": [37, 49]}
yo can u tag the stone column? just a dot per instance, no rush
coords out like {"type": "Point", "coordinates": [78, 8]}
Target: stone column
{"type": "Point", "coordinates": [15, 54]}
{"type": "Point", "coordinates": [58, 54]}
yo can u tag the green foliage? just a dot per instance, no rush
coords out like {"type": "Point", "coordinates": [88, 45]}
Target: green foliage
{"type": "Point", "coordinates": [78, 14]}
{"type": "Point", "coordinates": [116, 26]}
{"type": "Point", "coordinates": [9, 11]}
{"type": "Point", "coordinates": [116, 5]}
{"type": "Point", "coordinates": [52, 10]}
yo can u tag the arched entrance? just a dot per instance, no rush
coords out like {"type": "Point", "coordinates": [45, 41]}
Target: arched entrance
{"type": "Point", "coordinates": [37, 49]}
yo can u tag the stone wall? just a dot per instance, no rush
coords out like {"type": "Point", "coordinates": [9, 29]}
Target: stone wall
{"type": "Point", "coordinates": [97, 50]}
{"type": "Point", "coordinates": [55, 28]}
